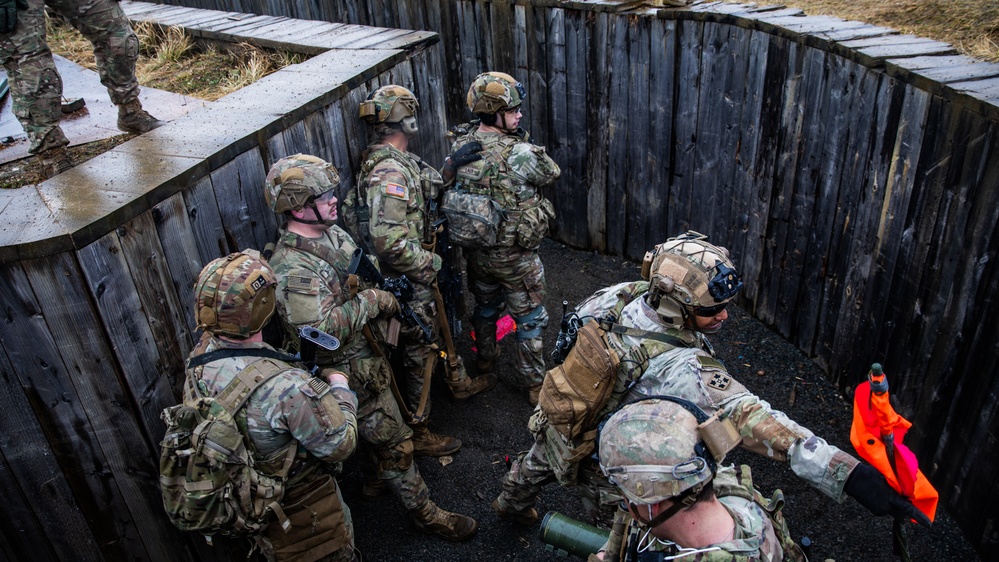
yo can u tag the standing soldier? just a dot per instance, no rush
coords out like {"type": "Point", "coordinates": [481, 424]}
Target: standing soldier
{"type": "Point", "coordinates": [645, 339]}
{"type": "Point", "coordinates": [36, 85]}
{"type": "Point", "coordinates": [288, 415]}
{"type": "Point", "coordinates": [389, 212]}
{"type": "Point", "coordinates": [506, 272]}
{"type": "Point", "coordinates": [311, 261]}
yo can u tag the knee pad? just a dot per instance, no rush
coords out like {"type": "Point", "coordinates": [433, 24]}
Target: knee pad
{"type": "Point", "coordinates": [490, 311]}
{"type": "Point", "coordinates": [529, 326]}
{"type": "Point", "coordinates": [397, 458]}
{"type": "Point", "coordinates": [125, 45]}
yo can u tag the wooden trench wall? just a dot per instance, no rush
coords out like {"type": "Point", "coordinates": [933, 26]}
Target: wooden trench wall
{"type": "Point", "coordinates": [852, 172]}
{"type": "Point", "coordinates": [96, 274]}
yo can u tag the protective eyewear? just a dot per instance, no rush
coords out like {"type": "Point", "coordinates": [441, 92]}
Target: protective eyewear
{"type": "Point", "coordinates": [326, 197]}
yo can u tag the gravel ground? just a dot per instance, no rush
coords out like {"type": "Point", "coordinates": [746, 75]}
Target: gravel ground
{"type": "Point", "coordinates": [493, 425]}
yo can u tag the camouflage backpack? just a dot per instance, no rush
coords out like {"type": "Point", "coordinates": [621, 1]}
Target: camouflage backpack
{"type": "Point", "coordinates": [210, 482]}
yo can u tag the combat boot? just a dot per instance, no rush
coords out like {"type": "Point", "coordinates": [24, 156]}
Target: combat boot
{"type": "Point", "coordinates": [429, 444]}
{"type": "Point", "coordinates": [451, 526]}
{"type": "Point", "coordinates": [528, 516]}
{"type": "Point", "coordinates": [54, 161]}
{"type": "Point", "coordinates": [533, 392]}
{"type": "Point", "coordinates": [474, 386]}
{"type": "Point", "coordinates": [133, 119]}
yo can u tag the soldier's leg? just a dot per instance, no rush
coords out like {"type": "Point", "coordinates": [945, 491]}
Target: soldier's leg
{"type": "Point", "coordinates": [489, 304]}
{"type": "Point", "coordinates": [522, 485]}
{"type": "Point", "coordinates": [384, 428]}
{"type": "Point", "coordinates": [35, 85]}
{"type": "Point", "coordinates": [525, 293]}
{"type": "Point", "coordinates": [116, 49]}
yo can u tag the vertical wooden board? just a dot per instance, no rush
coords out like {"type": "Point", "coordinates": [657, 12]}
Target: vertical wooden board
{"type": "Point", "coordinates": [41, 518]}
{"type": "Point", "coordinates": [662, 81]}
{"type": "Point", "coordinates": [470, 39]}
{"type": "Point", "coordinates": [159, 302]}
{"type": "Point", "coordinates": [597, 115]}
{"type": "Point", "coordinates": [520, 47]}
{"type": "Point", "coordinates": [643, 200]}
{"type": "Point", "coordinates": [483, 28]}
{"type": "Point", "coordinates": [318, 137]}
{"type": "Point", "coordinates": [617, 140]}
{"type": "Point", "coordinates": [688, 75]}
{"type": "Point", "coordinates": [116, 287]}
{"type": "Point", "coordinates": [443, 18]}
{"type": "Point", "coordinates": [752, 183]}
{"type": "Point", "coordinates": [558, 128]}
{"type": "Point", "coordinates": [706, 181]}
{"type": "Point", "coordinates": [339, 154]}
{"type": "Point", "coordinates": [573, 192]}
{"type": "Point", "coordinates": [537, 84]}
{"type": "Point", "coordinates": [357, 135]}
{"type": "Point", "coordinates": [87, 414]}
{"type": "Point", "coordinates": [238, 188]}
{"type": "Point", "coordinates": [206, 222]}
{"type": "Point", "coordinates": [276, 148]}
{"type": "Point", "coordinates": [180, 250]}
{"type": "Point", "coordinates": [427, 72]}
{"type": "Point", "coordinates": [294, 139]}
{"type": "Point", "coordinates": [501, 27]}
{"type": "Point", "coordinates": [825, 168]}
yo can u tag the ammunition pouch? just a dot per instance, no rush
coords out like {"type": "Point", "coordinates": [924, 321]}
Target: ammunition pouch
{"type": "Point", "coordinates": [473, 219]}
{"type": "Point", "coordinates": [532, 224]}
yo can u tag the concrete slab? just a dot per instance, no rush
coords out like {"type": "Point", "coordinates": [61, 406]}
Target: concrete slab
{"type": "Point", "coordinates": [94, 122]}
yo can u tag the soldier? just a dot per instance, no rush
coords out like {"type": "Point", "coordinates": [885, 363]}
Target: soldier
{"type": "Point", "coordinates": [37, 87]}
{"type": "Point", "coordinates": [389, 211]}
{"type": "Point", "coordinates": [680, 502]}
{"type": "Point", "coordinates": [289, 416]}
{"type": "Point", "coordinates": [651, 337]}
{"type": "Point", "coordinates": [311, 261]}
{"type": "Point", "coordinates": [507, 273]}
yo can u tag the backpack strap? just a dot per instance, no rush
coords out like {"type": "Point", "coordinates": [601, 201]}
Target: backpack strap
{"type": "Point", "coordinates": [643, 334]}
{"type": "Point", "coordinates": [206, 358]}
{"type": "Point", "coordinates": [238, 391]}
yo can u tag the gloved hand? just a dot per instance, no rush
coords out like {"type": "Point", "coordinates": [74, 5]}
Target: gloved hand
{"type": "Point", "coordinates": [8, 14]}
{"type": "Point", "coordinates": [869, 487]}
{"type": "Point", "coordinates": [380, 301]}
{"type": "Point", "coordinates": [467, 153]}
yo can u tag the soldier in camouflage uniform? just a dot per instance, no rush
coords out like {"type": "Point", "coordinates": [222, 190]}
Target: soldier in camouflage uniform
{"type": "Point", "coordinates": [681, 504]}
{"type": "Point", "coordinates": [37, 87]}
{"type": "Point", "coordinates": [291, 416]}
{"type": "Point", "coordinates": [388, 211]}
{"type": "Point", "coordinates": [509, 274]}
{"type": "Point", "coordinates": [657, 330]}
{"type": "Point", "coordinates": [311, 261]}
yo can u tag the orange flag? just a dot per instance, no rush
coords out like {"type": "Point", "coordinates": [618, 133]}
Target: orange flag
{"type": "Point", "coordinates": [877, 434]}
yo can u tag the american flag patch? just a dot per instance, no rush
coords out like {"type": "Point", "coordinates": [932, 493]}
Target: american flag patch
{"type": "Point", "coordinates": [395, 190]}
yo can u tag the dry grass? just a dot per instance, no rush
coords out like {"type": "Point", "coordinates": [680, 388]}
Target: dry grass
{"type": "Point", "coordinates": [972, 26]}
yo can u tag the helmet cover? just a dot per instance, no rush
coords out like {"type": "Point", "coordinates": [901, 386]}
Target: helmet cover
{"type": "Point", "coordinates": [235, 295]}
{"type": "Point", "coordinates": [492, 92]}
{"type": "Point", "coordinates": [294, 180]}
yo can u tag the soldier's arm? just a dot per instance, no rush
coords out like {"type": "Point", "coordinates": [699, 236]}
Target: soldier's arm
{"type": "Point", "coordinates": [389, 197]}
{"type": "Point", "coordinates": [771, 433]}
{"type": "Point", "coordinates": [307, 297]}
{"type": "Point", "coordinates": [531, 164]}
{"type": "Point", "coordinates": [320, 416]}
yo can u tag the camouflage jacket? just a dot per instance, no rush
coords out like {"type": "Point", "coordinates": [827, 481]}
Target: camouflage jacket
{"type": "Point", "coordinates": [511, 172]}
{"type": "Point", "coordinates": [390, 200]}
{"type": "Point", "coordinates": [312, 291]}
{"type": "Point", "coordinates": [756, 538]}
{"type": "Point", "coordinates": [292, 406]}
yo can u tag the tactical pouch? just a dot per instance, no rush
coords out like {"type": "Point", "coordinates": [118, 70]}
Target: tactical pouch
{"type": "Point", "coordinates": [533, 224]}
{"type": "Point", "coordinates": [473, 220]}
{"type": "Point", "coordinates": [719, 435]}
{"type": "Point", "coordinates": [574, 392]}
{"type": "Point", "coordinates": [318, 526]}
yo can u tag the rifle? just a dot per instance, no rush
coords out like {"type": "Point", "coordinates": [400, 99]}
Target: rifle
{"type": "Point", "coordinates": [567, 333]}
{"type": "Point", "coordinates": [449, 278]}
{"type": "Point", "coordinates": [309, 341]}
{"type": "Point", "coordinates": [401, 287]}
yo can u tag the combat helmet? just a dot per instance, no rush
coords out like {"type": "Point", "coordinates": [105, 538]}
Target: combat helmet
{"type": "Point", "coordinates": [652, 451]}
{"type": "Point", "coordinates": [390, 105]}
{"type": "Point", "coordinates": [295, 182]}
{"type": "Point", "coordinates": [689, 276]}
{"type": "Point", "coordinates": [235, 295]}
{"type": "Point", "coordinates": [492, 92]}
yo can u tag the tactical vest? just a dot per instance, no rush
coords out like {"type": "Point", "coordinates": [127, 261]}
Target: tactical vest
{"type": "Point", "coordinates": [525, 212]}
{"type": "Point", "coordinates": [357, 213]}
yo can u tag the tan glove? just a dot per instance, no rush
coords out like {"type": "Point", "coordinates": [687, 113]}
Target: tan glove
{"type": "Point", "coordinates": [380, 302]}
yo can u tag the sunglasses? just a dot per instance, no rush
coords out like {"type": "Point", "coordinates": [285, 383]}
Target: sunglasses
{"type": "Point", "coordinates": [709, 311]}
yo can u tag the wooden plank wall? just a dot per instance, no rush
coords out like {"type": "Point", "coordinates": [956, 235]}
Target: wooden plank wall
{"type": "Point", "coordinates": [94, 341]}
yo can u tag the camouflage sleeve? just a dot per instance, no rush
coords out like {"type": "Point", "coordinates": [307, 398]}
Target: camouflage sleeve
{"type": "Point", "coordinates": [307, 297]}
{"type": "Point", "coordinates": [530, 164]}
{"type": "Point", "coordinates": [771, 433]}
{"type": "Point", "coordinates": [597, 304]}
{"type": "Point", "coordinates": [319, 416]}
{"type": "Point", "coordinates": [390, 198]}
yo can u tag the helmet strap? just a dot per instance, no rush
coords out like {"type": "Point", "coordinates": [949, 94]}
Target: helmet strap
{"type": "Point", "coordinates": [315, 212]}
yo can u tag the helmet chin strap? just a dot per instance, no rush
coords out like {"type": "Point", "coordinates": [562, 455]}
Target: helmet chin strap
{"type": "Point", "coordinates": [315, 213]}
{"type": "Point", "coordinates": [503, 125]}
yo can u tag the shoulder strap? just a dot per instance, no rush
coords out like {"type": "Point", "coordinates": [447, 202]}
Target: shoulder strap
{"type": "Point", "coordinates": [206, 358]}
{"type": "Point", "coordinates": [238, 391]}
{"type": "Point", "coordinates": [643, 334]}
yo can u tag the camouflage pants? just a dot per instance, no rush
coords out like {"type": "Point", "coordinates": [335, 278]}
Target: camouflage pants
{"type": "Point", "coordinates": [416, 352]}
{"type": "Point", "coordinates": [34, 83]}
{"type": "Point", "coordinates": [542, 464]}
{"type": "Point", "coordinates": [510, 278]}
{"type": "Point", "coordinates": [385, 437]}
